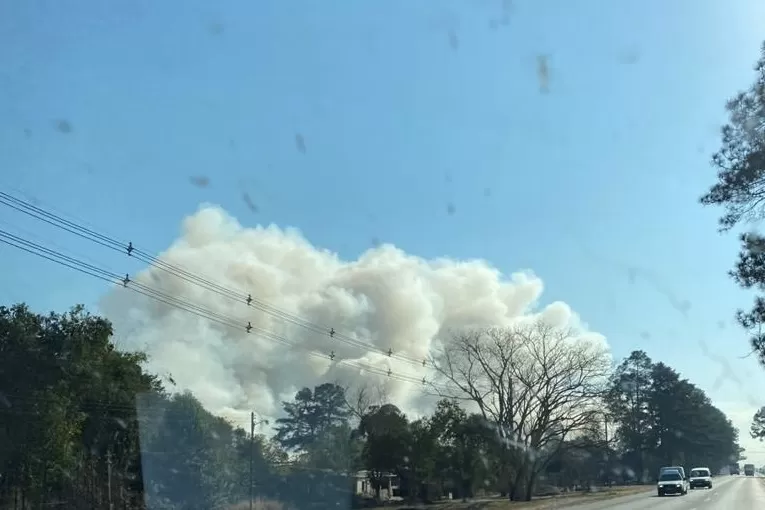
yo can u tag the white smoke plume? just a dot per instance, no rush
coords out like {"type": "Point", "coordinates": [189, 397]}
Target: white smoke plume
{"type": "Point", "coordinates": [386, 298]}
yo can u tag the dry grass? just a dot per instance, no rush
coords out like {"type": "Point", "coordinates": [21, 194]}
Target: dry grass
{"type": "Point", "coordinates": [260, 504]}
{"type": "Point", "coordinates": [496, 504]}
{"type": "Point", "coordinates": [540, 503]}
{"type": "Point", "coordinates": [585, 497]}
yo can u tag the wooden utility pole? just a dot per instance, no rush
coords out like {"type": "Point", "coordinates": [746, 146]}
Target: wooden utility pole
{"type": "Point", "coordinates": [608, 452]}
{"type": "Point", "coordinates": [109, 477]}
{"type": "Point", "coordinates": [252, 449]}
{"type": "Point", "coordinates": [252, 444]}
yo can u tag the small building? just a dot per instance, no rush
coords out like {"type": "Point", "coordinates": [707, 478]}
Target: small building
{"type": "Point", "coordinates": [389, 488]}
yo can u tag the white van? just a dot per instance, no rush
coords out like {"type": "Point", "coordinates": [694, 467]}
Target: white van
{"type": "Point", "coordinates": [700, 477]}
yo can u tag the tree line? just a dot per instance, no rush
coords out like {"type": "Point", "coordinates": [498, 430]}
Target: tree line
{"type": "Point", "coordinates": [740, 190]}
{"type": "Point", "coordinates": [520, 412]}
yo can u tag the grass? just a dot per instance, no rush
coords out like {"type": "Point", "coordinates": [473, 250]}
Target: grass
{"type": "Point", "coordinates": [575, 498]}
{"type": "Point", "coordinates": [541, 503]}
{"type": "Point", "coordinates": [259, 504]}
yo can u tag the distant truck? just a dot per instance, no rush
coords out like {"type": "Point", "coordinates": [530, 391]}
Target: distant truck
{"type": "Point", "coordinates": [735, 469]}
{"type": "Point", "coordinates": [749, 469]}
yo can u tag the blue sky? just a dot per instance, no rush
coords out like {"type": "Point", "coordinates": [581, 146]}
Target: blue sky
{"type": "Point", "coordinates": [423, 125]}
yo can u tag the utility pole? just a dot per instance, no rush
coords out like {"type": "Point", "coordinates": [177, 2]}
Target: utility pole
{"type": "Point", "coordinates": [252, 448]}
{"type": "Point", "coordinates": [252, 444]}
{"type": "Point", "coordinates": [109, 477]}
{"type": "Point", "coordinates": [608, 452]}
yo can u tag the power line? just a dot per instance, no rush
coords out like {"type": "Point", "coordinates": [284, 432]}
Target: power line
{"type": "Point", "coordinates": [63, 260]}
{"type": "Point", "coordinates": [182, 304]}
{"type": "Point", "coordinates": [159, 411]}
{"type": "Point", "coordinates": [131, 250]}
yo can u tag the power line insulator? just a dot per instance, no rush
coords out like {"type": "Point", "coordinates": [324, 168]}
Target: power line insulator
{"type": "Point", "coordinates": [332, 332]}
{"type": "Point", "coordinates": [130, 248]}
{"type": "Point", "coordinates": [249, 326]}
{"type": "Point", "coordinates": [249, 299]}
{"type": "Point", "coordinates": [126, 280]}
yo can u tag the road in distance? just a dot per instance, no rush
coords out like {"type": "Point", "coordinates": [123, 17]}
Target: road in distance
{"type": "Point", "coordinates": [729, 492]}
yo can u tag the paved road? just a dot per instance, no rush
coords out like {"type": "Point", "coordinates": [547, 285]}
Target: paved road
{"type": "Point", "coordinates": [728, 493]}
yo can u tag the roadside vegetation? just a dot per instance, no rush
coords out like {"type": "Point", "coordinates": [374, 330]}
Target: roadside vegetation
{"type": "Point", "coordinates": [740, 190]}
{"type": "Point", "coordinates": [524, 413]}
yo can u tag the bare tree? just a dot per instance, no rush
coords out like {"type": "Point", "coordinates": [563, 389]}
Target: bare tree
{"type": "Point", "coordinates": [536, 383]}
{"type": "Point", "coordinates": [362, 397]}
